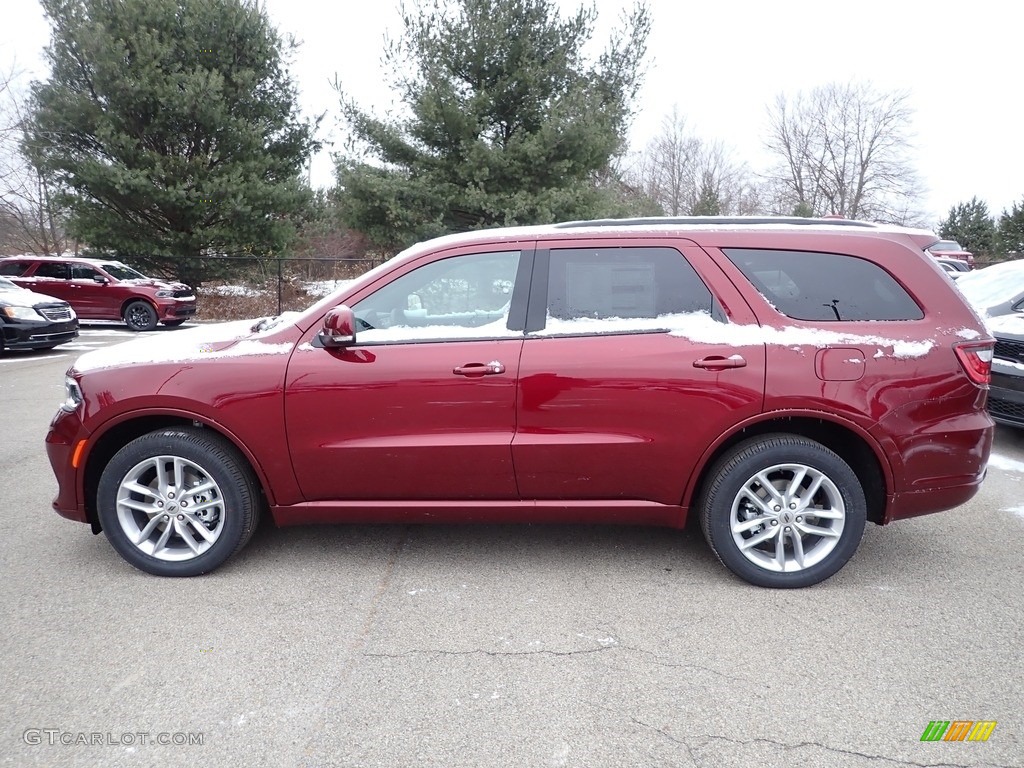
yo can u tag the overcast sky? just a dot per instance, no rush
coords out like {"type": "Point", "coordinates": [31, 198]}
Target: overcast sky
{"type": "Point", "coordinates": [722, 63]}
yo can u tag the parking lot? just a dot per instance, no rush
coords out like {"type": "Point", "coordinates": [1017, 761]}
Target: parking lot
{"type": "Point", "coordinates": [497, 645]}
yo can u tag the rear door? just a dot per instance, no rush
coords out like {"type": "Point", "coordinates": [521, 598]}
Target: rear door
{"type": "Point", "coordinates": [52, 278]}
{"type": "Point", "coordinates": [631, 368]}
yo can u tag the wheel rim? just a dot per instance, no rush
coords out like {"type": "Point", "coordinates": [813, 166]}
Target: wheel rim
{"type": "Point", "coordinates": [788, 517]}
{"type": "Point", "coordinates": [138, 316]}
{"type": "Point", "coordinates": [170, 508]}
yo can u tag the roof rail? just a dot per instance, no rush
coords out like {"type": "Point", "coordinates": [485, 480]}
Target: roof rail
{"type": "Point", "coordinates": [712, 220]}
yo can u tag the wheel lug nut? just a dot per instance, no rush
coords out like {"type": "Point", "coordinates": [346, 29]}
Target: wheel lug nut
{"type": "Point", "coordinates": [799, 519]}
{"type": "Point", "coordinates": [170, 495]}
{"type": "Point", "coordinates": [787, 529]}
{"type": "Point", "coordinates": [775, 522]}
{"type": "Point", "coordinates": [184, 504]}
{"type": "Point", "coordinates": [777, 508]}
{"type": "Point", "coordinates": [182, 517]}
{"type": "Point", "coordinates": [792, 505]}
{"type": "Point", "coordinates": [159, 503]}
{"type": "Point", "coordinates": [167, 517]}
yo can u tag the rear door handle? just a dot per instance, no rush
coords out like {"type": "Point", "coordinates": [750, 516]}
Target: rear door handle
{"type": "Point", "coordinates": [479, 369]}
{"type": "Point", "coordinates": [719, 363]}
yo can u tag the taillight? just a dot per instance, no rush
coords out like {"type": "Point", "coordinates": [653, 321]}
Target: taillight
{"type": "Point", "coordinates": [976, 360]}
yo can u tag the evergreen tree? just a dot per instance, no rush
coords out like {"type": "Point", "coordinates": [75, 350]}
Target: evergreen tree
{"type": "Point", "coordinates": [171, 130]}
{"type": "Point", "coordinates": [1011, 230]}
{"type": "Point", "coordinates": [508, 122]}
{"type": "Point", "coordinates": [971, 225]}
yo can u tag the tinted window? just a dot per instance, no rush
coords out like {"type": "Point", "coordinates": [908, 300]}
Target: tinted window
{"type": "Point", "coordinates": [52, 269]}
{"type": "Point", "coordinates": [13, 267]}
{"type": "Point", "coordinates": [825, 286]}
{"type": "Point", "coordinates": [608, 283]}
{"type": "Point", "coordinates": [82, 272]}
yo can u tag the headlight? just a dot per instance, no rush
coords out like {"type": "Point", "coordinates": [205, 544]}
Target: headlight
{"type": "Point", "coordinates": [72, 395]}
{"type": "Point", "coordinates": [21, 313]}
{"type": "Point", "coordinates": [165, 294]}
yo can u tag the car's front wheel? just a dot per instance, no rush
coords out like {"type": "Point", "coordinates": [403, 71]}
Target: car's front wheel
{"type": "Point", "coordinates": [178, 502]}
{"type": "Point", "coordinates": [140, 316]}
{"type": "Point", "coordinates": [783, 511]}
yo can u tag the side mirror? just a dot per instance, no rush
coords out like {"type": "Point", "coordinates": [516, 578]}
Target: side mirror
{"type": "Point", "coordinates": [339, 329]}
{"type": "Point", "coordinates": [100, 279]}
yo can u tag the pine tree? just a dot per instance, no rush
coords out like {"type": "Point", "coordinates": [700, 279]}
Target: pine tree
{"type": "Point", "coordinates": [971, 225]}
{"type": "Point", "coordinates": [171, 129]}
{"type": "Point", "coordinates": [508, 122]}
{"type": "Point", "coordinates": [1011, 231]}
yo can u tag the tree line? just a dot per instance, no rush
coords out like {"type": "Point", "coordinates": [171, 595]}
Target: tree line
{"type": "Point", "coordinates": [168, 133]}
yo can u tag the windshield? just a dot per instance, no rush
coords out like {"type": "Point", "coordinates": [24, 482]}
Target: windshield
{"type": "Point", "coordinates": [993, 285]}
{"type": "Point", "coordinates": [121, 272]}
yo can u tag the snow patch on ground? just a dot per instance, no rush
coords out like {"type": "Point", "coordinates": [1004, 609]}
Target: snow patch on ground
{"type": "Point", "coordinates": [235, 290]}
{"type": "Point", "coordinates": [325, 287]}
{"type": "Point", "coordinates": [1005, 463]}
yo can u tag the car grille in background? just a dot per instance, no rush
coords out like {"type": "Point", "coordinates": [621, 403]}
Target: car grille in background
{"type": "Point", "coordinates": [1006, 409]}
{"type": "Point", "coordinates": [55, 312]}
{"type": "Point", "coordinates": [1009, 350]}
{"type": "Point", "coordinates": [182, 293]}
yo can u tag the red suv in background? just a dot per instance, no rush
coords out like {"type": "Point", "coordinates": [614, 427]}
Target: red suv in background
{"type": "Point", "coordinates": [783, 381]}
{"type": "Point", "coordinates": [951, 249]}
{"type": "Point", "coordinates": [100, 289]}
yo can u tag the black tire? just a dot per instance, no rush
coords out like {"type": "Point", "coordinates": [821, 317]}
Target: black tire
{"type": "Point", "coordinates": [734, 496]}
{"type": "Point", "coordinates": [173, 323]}
{"type": "Point", "coordinates": [140, 316]}
{"type": "Point", "coordinates": [229, 510]}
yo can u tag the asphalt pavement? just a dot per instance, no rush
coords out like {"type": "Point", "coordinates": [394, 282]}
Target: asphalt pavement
{"type": "Point", "coordinates": [497, 645]}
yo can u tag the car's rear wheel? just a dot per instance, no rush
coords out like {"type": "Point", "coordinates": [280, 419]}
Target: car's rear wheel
{"type": "Point", "coordinates": [783, 511]}
{"type": "Point", "coordinates": [140, 316]}
{"type": "Point", "coordinates": [178, 502]}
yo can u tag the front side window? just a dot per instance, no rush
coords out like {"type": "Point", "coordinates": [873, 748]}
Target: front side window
{"type": "Point", "coordinates": [121, 272]}
{"type": "Point", "coordinates": [824, 286]}
{"type": "Point", "coordinates": [465, 296]}
{"type": "Point", "coordinates": [83, 272]}
{"type": "Point", "coordinates": [622, 289]}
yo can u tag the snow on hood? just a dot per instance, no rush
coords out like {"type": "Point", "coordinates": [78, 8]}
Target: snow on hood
{"type": "Point", "coordinates": [234, 339]}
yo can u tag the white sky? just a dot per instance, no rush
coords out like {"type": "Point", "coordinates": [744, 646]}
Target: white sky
{"type": "Point", "coordinates": [723, 63]}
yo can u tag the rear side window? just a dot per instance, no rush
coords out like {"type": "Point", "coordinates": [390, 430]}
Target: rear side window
{"type": "Point", "coordinates": [13, 268]}
{"type": "Point", "coordinates": [53, 269]}
{"type": "Point", "coordinates": [825, 286]}
{"type": "Point", "coordinates": [625, 283]}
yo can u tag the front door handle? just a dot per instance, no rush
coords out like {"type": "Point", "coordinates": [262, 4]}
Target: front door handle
{"type": "Point", "coordinates": [479, 369]}
{"type": "Point", "coordinates": [719, 363]}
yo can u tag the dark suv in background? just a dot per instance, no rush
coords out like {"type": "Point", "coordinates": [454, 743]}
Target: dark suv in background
{"type": "Point", "coordinates": [782, 381]}
{"type": "Point", "coordinates": [100, 289]}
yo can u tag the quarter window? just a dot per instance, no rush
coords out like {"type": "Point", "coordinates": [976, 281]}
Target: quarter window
{"type": "Point", "coordinates": [825, 286]}
{"type": "Point", "coordinates": [13, 268]}
{"type": "Point", "coordinates": [467, 296]}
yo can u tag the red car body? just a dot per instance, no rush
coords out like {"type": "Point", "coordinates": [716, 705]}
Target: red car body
{"type": "Point", "coordinates": [602, 427]}
{"type": "Point", "coordinates": [99, 289]}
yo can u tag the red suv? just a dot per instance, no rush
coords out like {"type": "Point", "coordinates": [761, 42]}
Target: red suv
{"type": "Point", "coordinates": [103, 290]}
{"type": "Point", "coordinates": [784, 381]}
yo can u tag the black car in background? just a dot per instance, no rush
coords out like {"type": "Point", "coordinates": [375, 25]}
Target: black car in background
{"type": "Point", "coordinates": [1006, 392]}
{"type": "Point", "coordinates": [33, 321]}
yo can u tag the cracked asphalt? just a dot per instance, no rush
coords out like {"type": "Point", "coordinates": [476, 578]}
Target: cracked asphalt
{"type": "Point", "coordinates": [498, 645]}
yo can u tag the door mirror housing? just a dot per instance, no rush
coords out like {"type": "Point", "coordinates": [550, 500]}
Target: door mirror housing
{"type": "Point", "coordinates": [100, 279]}
{"type": "Point", "coordinates": [339, 329]}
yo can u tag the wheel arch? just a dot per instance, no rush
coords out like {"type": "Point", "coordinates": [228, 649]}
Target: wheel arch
{"type": "Point", "coordinates": [132, 299]}
{"type": "Point", "coordinates": [854, 445]}
{"type": "Point", "coordinates": [116, 434]}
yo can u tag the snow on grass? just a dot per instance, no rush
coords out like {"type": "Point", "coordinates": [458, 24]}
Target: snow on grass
{"type": "Point", "coordinates": [325, 287]}
{"type": "Point", "coordinates": [235, 290]}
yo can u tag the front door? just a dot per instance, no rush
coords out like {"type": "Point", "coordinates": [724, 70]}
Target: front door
{"type": "Point", "coordinates": [422, 406]}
